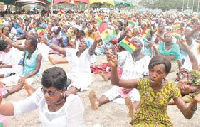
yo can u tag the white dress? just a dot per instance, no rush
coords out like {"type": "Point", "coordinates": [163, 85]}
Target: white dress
{"type": "Point", "coordinates": [81, 72]}
{"type": "Point", "coordinates": [69, 115]}
{"type": "Point", "coordinates": [131, 70]}
{"type": "Point", "coordinates": [11, 58]}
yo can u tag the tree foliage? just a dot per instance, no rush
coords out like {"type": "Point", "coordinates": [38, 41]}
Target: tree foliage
{"type": "Point", "coordinates": [169, 4]}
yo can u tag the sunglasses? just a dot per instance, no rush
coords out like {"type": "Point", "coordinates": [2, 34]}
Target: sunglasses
{"type": "Point", "coordinates": [50, 93]}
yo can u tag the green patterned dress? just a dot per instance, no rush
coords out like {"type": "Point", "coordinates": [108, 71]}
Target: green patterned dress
{"type": "Point", "coordinates": [152, 111]}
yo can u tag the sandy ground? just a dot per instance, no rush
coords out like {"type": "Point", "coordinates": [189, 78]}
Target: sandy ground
{"type": "Point", "coordinates": [109, 115]}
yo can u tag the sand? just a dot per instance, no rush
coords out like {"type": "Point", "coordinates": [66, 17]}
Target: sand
{"type": "Point", "coordinates": [109, 115]}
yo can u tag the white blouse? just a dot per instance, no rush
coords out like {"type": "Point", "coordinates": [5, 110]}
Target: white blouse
{"type": "Point", "coordinates": [69, 115]}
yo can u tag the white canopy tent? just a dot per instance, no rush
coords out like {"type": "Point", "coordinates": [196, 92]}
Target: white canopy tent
{"type": "Point", "coordinates": [30, 2]}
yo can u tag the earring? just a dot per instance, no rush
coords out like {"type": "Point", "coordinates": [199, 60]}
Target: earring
{"type": "Point", "coordinates": [62, 94]}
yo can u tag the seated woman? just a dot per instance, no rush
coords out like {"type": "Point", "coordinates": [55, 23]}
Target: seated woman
{"type": "Point", "coordinates": [31, 65]}
{"type": "Point", "coordinates": [155, 92]}
{"type": "Point", "coordinates": [171, 51]}
{"type": "Point", "coordinates": [133, 66]}
{"type": "Point", "coordinates": [8, 60]}
{"type": "Point", "coordinates": [190, 79]}
{"type": "Point", "coordinates": [103, 69]}
{"type": "Point", "coordinates": [80, 61]}
{"type": "Point", "coordinates": [60, 59]}
{"type": "Point", "coordinates": [55, 108]}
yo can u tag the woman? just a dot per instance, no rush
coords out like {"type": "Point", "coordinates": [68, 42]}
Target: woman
{"type": "Point", "coordinates": [147, 40]}
{"type": "Point", "coordinates": [8, 60]}
{"type": "Point", "coordinates": [55, 109]}
{"type": "Point", "coordinates": [155, 93]}
{"type": "Point", "coordinates": [31, 65]}
{"type": "Point", "coordinates": [133, 66]}
{"type": "Point", "coordinates": [171, 51]}
{"type": "Point", "coordinates": [79, 61]}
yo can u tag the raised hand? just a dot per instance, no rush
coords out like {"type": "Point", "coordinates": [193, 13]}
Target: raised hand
{"type": "Point", "coordinates": [97, 36]}
{"type": "Point", "coordinates": [183, 42]}
{"type": "Point", "coordinates": [42, 40]}
{"type": "Point", "coordinates": [112, 61]}
{"type": "Point", "coordinates": [185, 89]}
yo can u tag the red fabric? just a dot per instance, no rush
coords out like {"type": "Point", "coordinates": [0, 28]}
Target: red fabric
{"type": "Point", "coordinates": [96, 69]}
{"type": "Point", "coordinates": [102, 27]}
{"type": "Point", "coordinates": [58, 1]}
{"type": "Point", "coordinates": [76, 1]}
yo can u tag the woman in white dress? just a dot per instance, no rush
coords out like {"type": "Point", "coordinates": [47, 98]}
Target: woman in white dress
{"type": "Point", "coordinates": [55, 108]}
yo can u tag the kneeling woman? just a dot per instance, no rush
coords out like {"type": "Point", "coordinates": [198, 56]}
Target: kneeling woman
{"type": "Point", "coordinates": [55, 109]}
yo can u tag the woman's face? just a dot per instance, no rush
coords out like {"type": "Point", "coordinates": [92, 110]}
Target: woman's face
{"type": "Point", "coordinates": [28, 46]}
{"type": "Point", "coordinates": [6, 31]}
{"type": "Point", "coordinates": [82, 45]}
{"type": "Point", "coordinates": [51, 95]}
{"type": "Point", "coordinates": [129, 34]}
{"type": "Point", "coordinates": [160, 28]}
{"type": "Point", "coordinates": [157, 74]}
{"type": "Point", "coordinates": [168, 38]}
{"type": "Point", "coordinates": [139, 45]}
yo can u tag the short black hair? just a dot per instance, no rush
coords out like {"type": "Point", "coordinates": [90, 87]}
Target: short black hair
{"type": "Point", "coordinates": [54, 77]}
{"type": "Point", "coordinates": [3, 45]}
{"type": "Point", "coordinates": [156, 60]}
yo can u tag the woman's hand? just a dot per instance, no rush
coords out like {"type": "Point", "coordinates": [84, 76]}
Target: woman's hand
{"type": "Point", "coordinates": [197, 97]}
{"type": "Point", "coordinates": [1, 33]}
{"type": "Point", "coordinates": [185, 89]}
{"type": "Point", "coordinates": [112, 61]}
{"type": "Point", "coordinates": [183, 43]}
{"type": "Point", "coordinates": [1, 96]}
{"type": "Point", "coordinates": [97, 36]}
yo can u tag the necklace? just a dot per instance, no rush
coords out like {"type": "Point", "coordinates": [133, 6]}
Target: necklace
{"type": "Point", "coordinates": [57, 104]}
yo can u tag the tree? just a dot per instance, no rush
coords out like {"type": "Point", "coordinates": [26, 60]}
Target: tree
{"type": "Point", "coordinates": [169, 4]}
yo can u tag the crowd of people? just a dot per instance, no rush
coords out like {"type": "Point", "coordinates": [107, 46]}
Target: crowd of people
{"type": "Point", "coordinates": [152, 62]}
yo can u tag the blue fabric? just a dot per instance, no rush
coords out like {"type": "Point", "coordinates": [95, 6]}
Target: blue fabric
{"type": "Point", "coordinates": [174, 51]}
{"type": "Point", "coordinates": [29, 64]}
{"type": "Point", "coordinates": [19, 29]}
{"type": "Point", "coordinates": [147, 50]}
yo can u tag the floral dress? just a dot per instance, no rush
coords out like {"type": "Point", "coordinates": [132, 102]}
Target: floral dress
{"type": "Point", "coordinates": [152, 111]}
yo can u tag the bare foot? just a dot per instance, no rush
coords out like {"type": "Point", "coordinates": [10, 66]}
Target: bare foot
{"type": "Point", "coordinates": [93, 100]}
{"type": "Point", "coordinates": [51, 59]}
{"type": "Point", "coordinates": [28, 89]}
{"type": "Point", "coordinates": [130, 106]}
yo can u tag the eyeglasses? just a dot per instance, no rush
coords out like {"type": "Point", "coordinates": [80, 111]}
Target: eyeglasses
{"type": "Point", "coordinates": [50, 93]}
